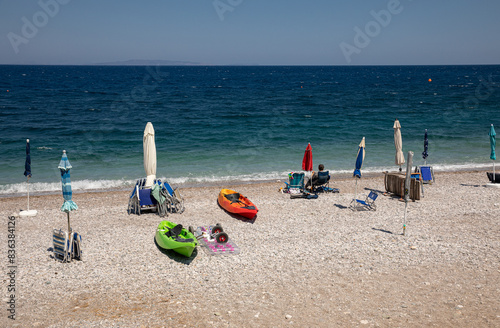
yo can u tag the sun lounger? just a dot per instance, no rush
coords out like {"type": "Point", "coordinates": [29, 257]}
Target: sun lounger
{"type": "Point", "coordinates": [427, 174]}
{"type": "Point", "coordinates": [140, 199]}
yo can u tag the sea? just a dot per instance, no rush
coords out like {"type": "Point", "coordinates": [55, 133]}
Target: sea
{"type": "Point", "coordinates": [217, 125]}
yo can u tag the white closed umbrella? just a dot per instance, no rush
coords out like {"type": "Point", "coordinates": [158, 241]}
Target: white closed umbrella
{"type": "Point", "coordinates": [398, 143]}
{"type": "Point", "coordinates": [149, 146]}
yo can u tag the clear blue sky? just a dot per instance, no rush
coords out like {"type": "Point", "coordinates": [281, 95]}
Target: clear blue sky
{"type": "Point", "coordinates": [262, 32]}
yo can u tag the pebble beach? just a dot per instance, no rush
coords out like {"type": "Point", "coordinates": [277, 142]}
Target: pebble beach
{"type": "Point", "coordinates": [303, 262]}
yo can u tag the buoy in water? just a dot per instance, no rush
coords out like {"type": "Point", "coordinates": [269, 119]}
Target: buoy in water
{"type": "Point", "coordinates": [430, 80]}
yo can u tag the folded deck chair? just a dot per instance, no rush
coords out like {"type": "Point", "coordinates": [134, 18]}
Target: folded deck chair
{"type": "Point", "coordinates": [427, 174]}
{"type": "Point", "coordinates": [61, 245]}
{"type": "Point", "coordinates": [175, 202]}
{"type": "Point", "coordinates": [76, 249]}
{"type": "Point", "coordinates": [367, 204]}
{"type": "Point", "coordinates": [295, 184]}
{"type": "Point", "coordinates": [140, 199]}
{"type": "Point", "coordinates": [66, 247]}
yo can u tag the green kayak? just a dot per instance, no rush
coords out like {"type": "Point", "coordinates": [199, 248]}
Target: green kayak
{"type": "Point", "coordinates": [173, 236]}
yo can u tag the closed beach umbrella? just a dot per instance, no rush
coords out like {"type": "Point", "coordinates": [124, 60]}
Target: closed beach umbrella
{"type": "Point", "coordinates": [27, 174]}
{"type": "Point", "coordinates": [425, 154]}
{"type": "Point", "coordinates": [398, 143]}
{"type": "Point", "coordinates": [407, 187]}
{"type": "Point", "coordinates": [493, 143]}
{"type": "Point", "coordinates": [307, 161]}
{"type": "Point", "coordinates": [359, 159]}
{"type": "Point", "coordinates": [148, 143]}
{"type": "Point", "coordinates": [68, 205]}
{"type": "Point", "coordinates": [359, 163]}
{"type": "Point", "coordinates": [27, 163]}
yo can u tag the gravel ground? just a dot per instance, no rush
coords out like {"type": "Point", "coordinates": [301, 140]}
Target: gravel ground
{"type": "Point", "coordinates": [303, 263]}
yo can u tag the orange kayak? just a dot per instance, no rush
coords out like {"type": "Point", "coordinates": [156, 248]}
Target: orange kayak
{"type": "Point", "coordinates": [236, 203]}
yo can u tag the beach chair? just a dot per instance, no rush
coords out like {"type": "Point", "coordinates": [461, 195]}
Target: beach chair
{"type": "Point", "coordinates": [322, 184]}
{"type": "Point", "coordinates": [140, 199]}
{"type": "Point", "coordinates": [427, 174]}
{"type": "Point", "coordinates": [367, 204]}
{"type": "Point", "coordinates": [76, 249]}
{"type": "Point", "coordinates": [61, 245]}
{"type": "Point", "coordinates": [66, 247]}
{"type": "Point", "coordinates": [295, 184]}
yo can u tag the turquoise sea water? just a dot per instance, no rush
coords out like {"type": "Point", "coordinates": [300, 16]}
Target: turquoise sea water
{"type": "Point", "coordinates": [231, 123]}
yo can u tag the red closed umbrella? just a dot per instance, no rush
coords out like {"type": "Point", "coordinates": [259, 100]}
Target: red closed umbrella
{"type": "Point", "coordinates": [307, 161]}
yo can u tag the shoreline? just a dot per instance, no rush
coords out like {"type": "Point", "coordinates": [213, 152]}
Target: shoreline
{"type": "Point", "coordinates": [309, 263]}
{"type": "Point", "coordinates": [221, 183]}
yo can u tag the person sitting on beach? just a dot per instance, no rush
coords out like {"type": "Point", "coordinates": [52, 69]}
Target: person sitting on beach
{"type": "Point", "coordinates": [314, 179]}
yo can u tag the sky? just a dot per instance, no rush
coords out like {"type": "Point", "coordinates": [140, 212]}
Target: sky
{"type": "Point", "coordinates": [251, 32]}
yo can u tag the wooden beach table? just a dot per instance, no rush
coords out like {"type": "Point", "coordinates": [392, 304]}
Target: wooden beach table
{"type": "Point", "coordinates": [395, 183]}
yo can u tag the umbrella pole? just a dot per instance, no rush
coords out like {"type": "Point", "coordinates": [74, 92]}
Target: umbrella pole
{"type": "Point", "coordinates": [28, 185]}
{"type": "Point", "coordinates": [494, 176]}
{"type": "Point", "coordinates": [69, 229]}
{"type": "Point", "coordinates": [356, 193]}
{"type": "Point", "coordinates": [404, 219]}
{"type": "Point", "coordinates": [312, 179]}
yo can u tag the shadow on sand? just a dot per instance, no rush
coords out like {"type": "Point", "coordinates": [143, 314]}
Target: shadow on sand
{"type": "Point", "coordinates": [239, 217]}
{"type": "Point", "coordinates": [471, 185]}
{"type": "Point", "coordinates": [176, 256]}
{"type": "Point", "coordinates": [382, 230]}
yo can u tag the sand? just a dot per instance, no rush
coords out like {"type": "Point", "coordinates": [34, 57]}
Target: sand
{"type": "Point", "coordinates": [303, 263]}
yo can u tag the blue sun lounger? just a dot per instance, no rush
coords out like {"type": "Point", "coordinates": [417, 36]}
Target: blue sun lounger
{"type": "Point", "coordinates": [140, 199]}
{"type": "Point", "coordinates": [427, 174]}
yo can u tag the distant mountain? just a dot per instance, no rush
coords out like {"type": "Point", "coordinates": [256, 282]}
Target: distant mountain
{"type": "Point", "coordinates": [144, 62]}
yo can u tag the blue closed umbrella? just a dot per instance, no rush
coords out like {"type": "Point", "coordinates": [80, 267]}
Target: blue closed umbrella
{"type": "Point", "coordinates": [359, 159]}
{"type": "Point", "coordinates": [493, 143]}
{"type": "Point", "coordinates": [27, 164]}
{"type": "Point", "coordinates": [425, 154]}
{"type": "Point", "coordinates": [68, 205]}
{"type": "Point", "coordinates": [27, 174]}
{"type": "Point", "coordinates": [359, 163]}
